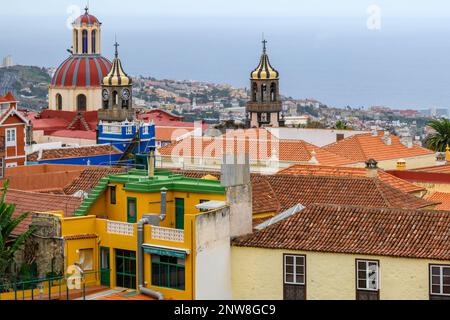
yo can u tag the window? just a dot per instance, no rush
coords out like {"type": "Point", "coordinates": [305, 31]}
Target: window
{"type": "Point", "coordinates": [86, 260]}
{"type": "Point", "coordinates": [129, 130]}
{"type": "Point", "coordinates": [58, 102]}
{"type": "Point", "coordinates": [263, 92]}
{"type": "Point", "coordinates": [85, 41]}
{"type": "Point", "coordinates": [125, 269]}
{"type": "Point", "coordinates": [81, 102]}
{"type": "Point", "coordinates": [294, 277]}
{"type": "Point", "coordinates": [254, 91]}
{"type": "Point", "coordinates": [112, 191]}
{"type": "Point", "coordinates": [11, 137]}
{"type": "Point", "coordinates": [11, 165]}
{"type": "Point", "coordinates": [93, 40]}
{"type": "Point", "coordinates": [439, 282]}
{"type": "Point", "coordinates": [76, 41]}
{"type": "Point", "coordinates": [273, 92]}
{"type": "Point", "coordinates": [168, 272]}
{"type": "Point", "coordinates": [367, 280]}
{"type": "Point", "coordinates": [145, 130]}
{"type": "Point", "coordinates": [131, 210]}
{"type": "Point", "coordinates": [2, 167]}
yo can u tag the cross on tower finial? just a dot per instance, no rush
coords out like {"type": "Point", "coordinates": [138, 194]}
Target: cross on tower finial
{"type": "Point", "coordinates": [86, 9]}
{"type": "Point", "coordinates": [264, 42]}
{"type": "Point", "coordinates": [117, 48]}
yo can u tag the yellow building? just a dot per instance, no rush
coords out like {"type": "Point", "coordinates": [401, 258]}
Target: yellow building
{"type": "Point", "coordinates": [153, 233]}
{"type": "Point", "coordinates": [341, 252]}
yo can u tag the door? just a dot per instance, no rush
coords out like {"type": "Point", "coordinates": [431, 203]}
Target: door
{"type": "Point", "coordinates": [131, 210]}
{"type": "Point", "coordinates": [179, 214]}
{"type": "Point", "coordinates": [125, 269]}
{"type": "Point", "coordinates": [104, 267]}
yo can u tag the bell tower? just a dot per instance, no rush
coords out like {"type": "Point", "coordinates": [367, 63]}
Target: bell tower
{"type": "Point", "coordinates": [264, 108]}
{"type": "Point", "coordinates": [117, 93]}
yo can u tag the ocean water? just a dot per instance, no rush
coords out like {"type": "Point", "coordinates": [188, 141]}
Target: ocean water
{"type": "Point", "coordinates": [339, 61]}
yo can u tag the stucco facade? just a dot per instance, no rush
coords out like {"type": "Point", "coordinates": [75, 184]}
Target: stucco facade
{"type": "Point", "coordinates": [258, 274]}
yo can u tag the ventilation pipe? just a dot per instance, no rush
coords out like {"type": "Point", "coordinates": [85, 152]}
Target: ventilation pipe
{"type": "Point", "coordinates": [151, 163]}
{"type": "Point", "coordinates": [151, 220]}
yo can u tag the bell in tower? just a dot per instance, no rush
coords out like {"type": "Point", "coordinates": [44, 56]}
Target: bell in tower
{"type": "Point", "coordinates": [116, 93]}
{"type": "Point", "coordinates": [264, 108]}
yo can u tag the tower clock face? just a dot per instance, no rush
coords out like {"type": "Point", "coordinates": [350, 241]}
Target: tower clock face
{"type": "Point", "coordinates": [105, 94]}
{"type": "Point", "coordinates": [126, 94]}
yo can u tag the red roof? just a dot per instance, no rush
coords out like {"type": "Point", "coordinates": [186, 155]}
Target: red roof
{"type": "Point", "coordinates": [442, 197]}
{"type": "Point", "coordinates": [81, 71]}
{"type": "Point", "coordinates": [87, 19]}
{"type": "Point", "coordinates": [75, 134]}
{"type": "Point", "coordinates": [9, 97]}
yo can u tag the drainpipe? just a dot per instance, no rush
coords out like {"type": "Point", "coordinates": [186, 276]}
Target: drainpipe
{"type": "Point", "coordinates": [140, 234]}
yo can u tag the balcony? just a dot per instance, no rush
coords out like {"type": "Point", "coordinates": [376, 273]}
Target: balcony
{"type": "Point", "coordinates": [121, 228]}
{"type": "Point", "coordinates": [167, 234]}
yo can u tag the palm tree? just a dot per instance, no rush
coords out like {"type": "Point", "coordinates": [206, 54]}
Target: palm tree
{"type": "Point", "coordinates": [9, 244]}
{"type": "Point", "coordinates": [438, 140]}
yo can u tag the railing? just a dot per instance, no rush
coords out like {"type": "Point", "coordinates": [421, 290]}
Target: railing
{"type": "Point", "coordinates": [122, 228]}
{"type": "Point", "coordinates": [168, 234]}
{"type": "Point", "coordinates": [52, 288]}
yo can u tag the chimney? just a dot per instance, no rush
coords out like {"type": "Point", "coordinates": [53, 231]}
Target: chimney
{"type": "Point", "coordinates": [235, 177]}
{"type": "Point", "coordinates": [440, 159]}
{"type": "Point", "coordinates": [340, 137]}
{"type": "Point", "coordinates": [401, 164]}
{"type": "Point", "coordinates": [151, 163]}
{"type": "Point", "coordinates": [407, 141]}
{"type": "Point", "coordinates": [371, 168]}
{"type": "Point", "coordinates": [387, 140]}
{"type": "Point", "coordinates": [374, 132]}
{"type": "Point", "coordinates": [313, 159]}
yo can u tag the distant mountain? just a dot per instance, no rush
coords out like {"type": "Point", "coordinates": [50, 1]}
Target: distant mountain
{"type": "Point", "coordinates": [29, 84]}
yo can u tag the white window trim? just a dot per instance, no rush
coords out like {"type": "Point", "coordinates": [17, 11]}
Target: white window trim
{"type": "Point", "coordinates": [8, 142]}
{"type": "Point", "coordinates": [367, 275]}
{"type": "Point", "coordinates": [294, 256]}
{"type": "Point", "coordinates": [441, 278]}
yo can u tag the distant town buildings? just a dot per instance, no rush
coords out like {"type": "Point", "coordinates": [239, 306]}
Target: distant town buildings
{"type": "Point", "coordinates": [7, 62]}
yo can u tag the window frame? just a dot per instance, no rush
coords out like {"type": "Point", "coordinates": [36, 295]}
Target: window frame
{"type": "Point", "coordinates": [91, 262]}
{"type": "Point", "coordinates": [112, 191]}
{"type": "Point", "coordinates": [295, 256]}
{"type": "Point", "coordinates": [441, 278]}
{"type": "Point", "coordinates": [367, 261]}
{"type": "Point", "coordinates": [9, 134]}
{"type": "Point", "coordinates": [166, 266]}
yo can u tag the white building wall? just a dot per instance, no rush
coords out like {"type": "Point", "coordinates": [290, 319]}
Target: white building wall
{"type": "Point", "coordinates": [213, 256]}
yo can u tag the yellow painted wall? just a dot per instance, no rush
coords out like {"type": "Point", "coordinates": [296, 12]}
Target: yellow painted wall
{"type": "Point", "coordinates": [258, 274]}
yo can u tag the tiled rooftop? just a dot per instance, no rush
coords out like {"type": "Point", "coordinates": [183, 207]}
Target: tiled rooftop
{"type": "Point", "coordinates": [437, 169]}
{"type": "Point", "coordinates": [443, 198]}
{"type": "Point", "coordinates": [63, 153]}
{"type": "Point", "coordinates": [363, 147]}
{"type": "Point", "coordinates": [358, 230]}
{"type": "Point", "coordinates": [39, 202]}
{"type": "Point", "coordinates": [317, 170]}
{"type": "Point", "coordinates": [89, 178]}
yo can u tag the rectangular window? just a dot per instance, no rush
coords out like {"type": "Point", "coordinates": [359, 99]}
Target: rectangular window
{"type": "Point", "coordinates": [129, 130]}
{"type": "Point", "coordinates": [131, 210]}
{"type": "Point", "coordinates": [367, 280]}
{"type": "Point", "coordinates": [11, 137]}
{"type": "Point", "coordinates": [439, 282]}
{"type": "Point", "coordinates": [294, 277]}
{"type": "Point", "coordinates": [112, 191]}
{"type": "Point", "coordinates": [86, 259]}
{"type": "Point", "coordinates": [168, 272]}
{"type": "Point", "coordinates": [145, 130]}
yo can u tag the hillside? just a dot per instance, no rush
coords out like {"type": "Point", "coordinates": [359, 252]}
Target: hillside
{"type": "Point", "coordinates": [29, 84]}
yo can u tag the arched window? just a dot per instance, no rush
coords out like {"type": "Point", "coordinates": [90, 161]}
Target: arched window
{"type": "Point", "coordinates": [76, 41]}
{"type": "Point", "coordinates": [273, 92]}
{"type": "Point", "coordinates": [58, 101]}
{"type": "Point", "coordinates": [263, 92]}
{"type": "Point", "coordinates": [115, 98]}
{"type": "Point", "coordinates": [94, 40]}
{"type": "Point", "coordinates": [254, 91]}
{"type": "Point", "coordinates": [124, 104]}
{"type": "Point", "coordinates": [85, 41]}
{"type": "Point", "coordinates": [81, 102]}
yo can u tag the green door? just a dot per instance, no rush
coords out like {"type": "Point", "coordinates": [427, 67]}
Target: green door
{"type": "Point", "coordinates": [179, 213]}
{"type": "Point", "coordinates": [104, 267]}
{"type": "Point", "coordinates": [131, 210]}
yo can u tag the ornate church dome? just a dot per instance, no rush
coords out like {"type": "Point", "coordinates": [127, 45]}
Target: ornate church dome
{"type": "Point", "coordinates": [117, 77]}
{"type": "Point", "coordinates": [264, 71]}
{"type": "Point", "coordinates": [81, 71]}
{"type": "Point", "coordinates": [86, 19]}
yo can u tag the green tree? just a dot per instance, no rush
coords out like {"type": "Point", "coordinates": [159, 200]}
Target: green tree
{"type": "Point", "coordinates": [438, 140]}
{"type": "Point", "coordinates": [9, 244]}
{"type": "Point", "coordinates": [341, 125]}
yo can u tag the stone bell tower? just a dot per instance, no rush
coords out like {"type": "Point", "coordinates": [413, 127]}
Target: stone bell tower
{"type": "Point", "coordinates": [264, 108]}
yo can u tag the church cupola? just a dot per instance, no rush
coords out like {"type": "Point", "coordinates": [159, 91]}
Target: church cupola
{"type": "Point", "coordinates": [117, 93]}
{"type": "Point", "coordinates": [86, 34]}
{"type": "Point", "coordinates": [264, 108]}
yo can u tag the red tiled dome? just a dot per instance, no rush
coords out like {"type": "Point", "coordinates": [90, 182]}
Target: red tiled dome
{"type": "Point", "coordinates": [86, 19]}
{"type": "Point", "coordinates": [81, 71]}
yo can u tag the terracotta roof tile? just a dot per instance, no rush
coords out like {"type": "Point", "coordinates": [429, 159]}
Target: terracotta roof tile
{"type": "Point", "coordinates": [437, 169]}
{"type": "Point", "coordinates": [63, 153]}
{"type": "Point", "coordinates": [363, 147]}
{"type": "Point", "coordinates": [39, 202]}
{"type": "Point", "coordinates": [89, 178]}
{"type": "Point", "coordinates": [443, 198]}
{"type": "Point", "coordinates": [318, 170]}
{"type": "Point", "coordinates": [358, 230]}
